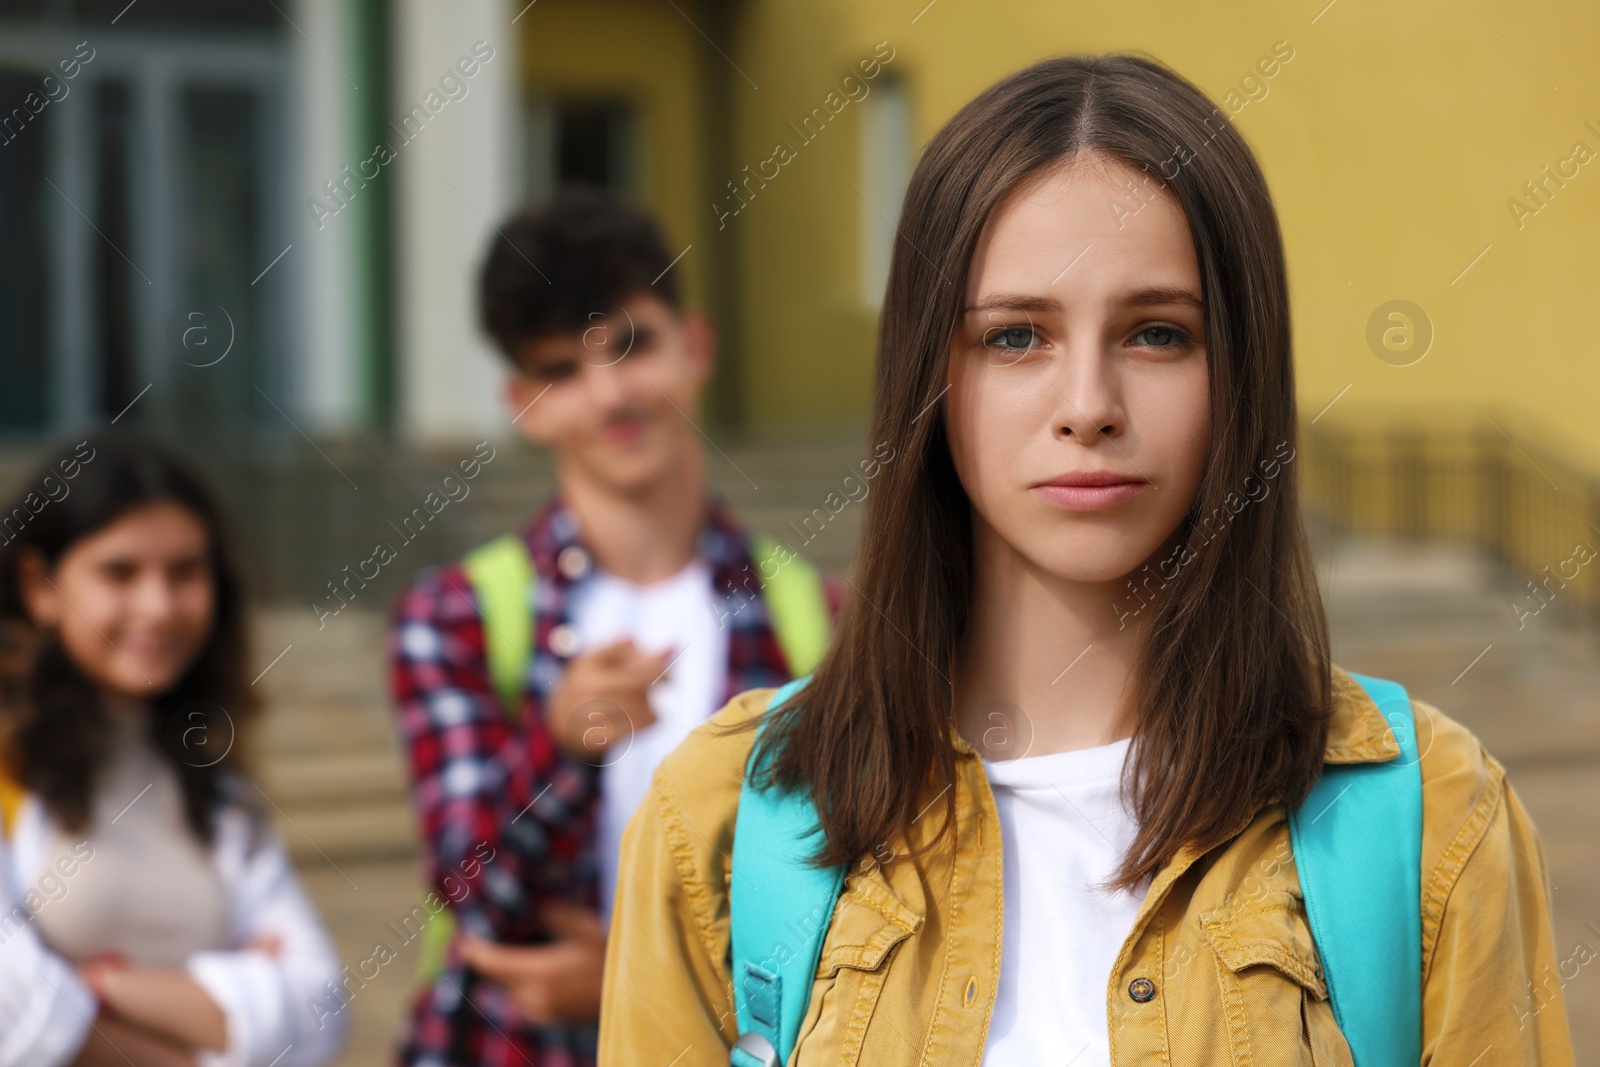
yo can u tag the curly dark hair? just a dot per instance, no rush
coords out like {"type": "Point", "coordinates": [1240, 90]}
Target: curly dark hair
{"type": "Point", "coordinates": [549, 270]}
{"type": "Point", "coordinates": [55, 729]}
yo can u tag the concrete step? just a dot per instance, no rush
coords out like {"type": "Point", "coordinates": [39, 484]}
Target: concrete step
{"type": "Point", "coordinates": [326, 750]}
{"type": "Point", "coordinates": [352, 774]}
{"type": "Point", "coordinates": [1438, 619]}
{"type": "Point", "coordinates": [306, 731]}
{"type": "Point", "coordinates": [333, 832]}
{"type": "Point", "coordinates": [346, 796]}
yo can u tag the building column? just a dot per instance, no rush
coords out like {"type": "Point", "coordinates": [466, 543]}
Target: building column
{"type": "Point", "coordinates": [454, 136]}
{"type": "Point", "coordinates": [327, 341]}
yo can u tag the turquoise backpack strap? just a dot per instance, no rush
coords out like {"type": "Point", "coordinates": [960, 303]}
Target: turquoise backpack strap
{"type": "Point", "coordinates": [500, 573]}
{"type": "Point", "coordinates": [1357, 844]}
{"type": "Point", "coordinates": [780, 910]}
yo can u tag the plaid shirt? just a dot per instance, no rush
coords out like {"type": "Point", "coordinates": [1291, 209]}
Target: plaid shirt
{"type": "Point", "coordinates": [482, 783]}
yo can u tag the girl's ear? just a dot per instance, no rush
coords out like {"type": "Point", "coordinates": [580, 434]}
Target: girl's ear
{"type": "Point", "coordinates": [40, 597]}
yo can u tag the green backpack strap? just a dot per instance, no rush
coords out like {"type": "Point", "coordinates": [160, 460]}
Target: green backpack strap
{"type": "Point", "coordinates": [1357, 844]}
{"type": "Point", "coordinates": [797, 606]}
{"type": "Point", "coordinates": [501, 573]}
{"type": "Point", "coordinates": [775, 900]}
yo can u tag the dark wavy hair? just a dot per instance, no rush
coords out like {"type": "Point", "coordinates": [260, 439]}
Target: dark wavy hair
{"type": "Point", "coordinates": [1234, 683]}
{"type": "Point", "coordinates": [55, 733]}
{"type": "Point", "coordinates": [549, 270]}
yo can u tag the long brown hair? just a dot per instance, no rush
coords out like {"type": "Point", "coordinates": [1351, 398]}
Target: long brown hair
{"type": "Point", "coordinates": [1233, 683]}
{"type": "Point", "coordinates": [53, 726]}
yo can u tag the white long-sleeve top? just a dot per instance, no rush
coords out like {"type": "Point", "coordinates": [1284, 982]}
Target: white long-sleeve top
{"type": "Point", "coordinates": [266, 998]}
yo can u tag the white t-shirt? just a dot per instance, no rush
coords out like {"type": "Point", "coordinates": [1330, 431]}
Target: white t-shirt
{"type": "Point", "coordinates": [673, 613]}
{"type": "Point", "coordinates": [1063, 830]}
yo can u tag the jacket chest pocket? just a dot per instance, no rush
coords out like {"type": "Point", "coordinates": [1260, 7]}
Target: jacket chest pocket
{"type": "Point", "coordinates": [868, 923]}
{"type": "Point", "coordinates": [1274, 1000]}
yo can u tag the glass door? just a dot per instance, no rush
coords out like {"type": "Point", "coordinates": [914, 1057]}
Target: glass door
{"type": "Point", "coordinates": [141, 216]}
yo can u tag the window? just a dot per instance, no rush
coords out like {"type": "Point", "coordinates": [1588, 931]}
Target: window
{"type": "Point", "coordinates": [578, 140]}
{"type": "Point", "coordinates": [885, 171]}
{"type": "Point", "coordinates": [139, 191]}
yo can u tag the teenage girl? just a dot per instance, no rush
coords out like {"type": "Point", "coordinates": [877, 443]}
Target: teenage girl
{"type": "Point", "coordinates": [148, 915]}
{"type": "Point", "coordinates": [1085, 672]}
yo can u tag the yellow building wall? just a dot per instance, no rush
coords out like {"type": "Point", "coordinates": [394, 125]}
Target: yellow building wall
{"type": "Point", "coordinates": [807, 334]}
{"type": "Point", "coordinates": [1392, 142]}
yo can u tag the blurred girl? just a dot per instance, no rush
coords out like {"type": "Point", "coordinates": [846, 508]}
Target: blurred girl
{"type": "Point", "coordinates": [148, 915]}
{"type": "Point", "coordinates": [1084, 678]}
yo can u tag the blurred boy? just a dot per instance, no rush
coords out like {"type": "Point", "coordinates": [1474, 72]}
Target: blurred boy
{"type": "Point", "coordinates": [541, 679]}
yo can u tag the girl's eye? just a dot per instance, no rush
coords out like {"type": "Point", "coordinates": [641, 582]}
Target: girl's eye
{"type": "Point", "coordinates": [1011, 339]}
{"type": "Point", "coordinates": [1164, 337]}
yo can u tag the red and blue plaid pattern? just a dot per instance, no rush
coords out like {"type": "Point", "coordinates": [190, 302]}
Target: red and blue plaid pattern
{"type": "Point", "coordinates": [479, 782]}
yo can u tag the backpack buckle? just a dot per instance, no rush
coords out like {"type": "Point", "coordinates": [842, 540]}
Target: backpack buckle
{"type": "Point", "coordinates": [753, 1050]}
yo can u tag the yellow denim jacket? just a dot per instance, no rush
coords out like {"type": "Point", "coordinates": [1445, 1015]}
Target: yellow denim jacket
{"type": "Point", "coordinates": [911, 961]}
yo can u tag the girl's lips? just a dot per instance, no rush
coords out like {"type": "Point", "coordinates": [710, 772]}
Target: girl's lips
{"type": "Point", "coordinates": [1089, 497]}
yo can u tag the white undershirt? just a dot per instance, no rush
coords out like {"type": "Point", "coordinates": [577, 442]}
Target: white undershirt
{"type": "Point", "coordinates": [1063, 830]}
{"type": "Point", "coordinates": [673, 613]}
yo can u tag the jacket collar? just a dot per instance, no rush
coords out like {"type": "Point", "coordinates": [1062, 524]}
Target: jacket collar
{"type": "Point", "coordinates": [1357, 730]}
{"type": "Point", "coordinates": [1357, 733]}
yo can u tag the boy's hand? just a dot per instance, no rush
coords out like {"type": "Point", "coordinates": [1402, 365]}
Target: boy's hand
{"type": "Point", "coordinates": [603, 698]}
{"type": "Point", "coordinates": [554, 984]}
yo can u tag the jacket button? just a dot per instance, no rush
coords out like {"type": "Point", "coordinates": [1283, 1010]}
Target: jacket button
{"type": "Point", "coordinates": [573, 562]}
{"type": "Point", "coordinates": [1142, 989]}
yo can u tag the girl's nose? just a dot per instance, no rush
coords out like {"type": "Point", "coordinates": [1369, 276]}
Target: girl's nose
{"type": "Point", "coordinates": [1089, 395]}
